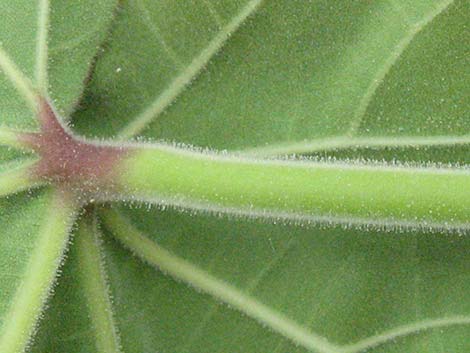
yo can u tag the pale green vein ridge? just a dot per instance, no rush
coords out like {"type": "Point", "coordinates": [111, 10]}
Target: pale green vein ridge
{"type": "Point", "coordinates": [9, 137]}
{"type": "Point", "coordinates": [390, 62]}
{"type": "Point", "coordinates": [17, 179]}
{"type": "Point", "coordinates": [251, 286]}
{"type": "Point", "coordinates": [21, 83]}
{"type": "Point", "coordinates": [42, 46]}
{"type": "Point", "coordinates": [39, 277]}
{"type": "Point", "coordinates": [404, 330]}
{"type": "Point", "coordinates": [346, 142]}
{"type": "Point", "coordinates": [157, 33]}
{"type": "Point", "coordinates": [201, 280]}
{"type": "Point", "coordinates": [94, 283]}
{"type": "Point", "coordinates": [187, 75]}
{"type": "Point", "coordinates": [182, 270]}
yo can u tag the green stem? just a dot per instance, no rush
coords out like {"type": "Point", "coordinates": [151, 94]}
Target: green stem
{"type": "Point", "coordinates": [306, 191]}
{"type": "Point", "coordinates": [18, 179]}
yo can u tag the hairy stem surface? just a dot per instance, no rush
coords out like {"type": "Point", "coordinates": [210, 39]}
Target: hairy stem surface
{"type": "Point", "coordinates": [335, 192]}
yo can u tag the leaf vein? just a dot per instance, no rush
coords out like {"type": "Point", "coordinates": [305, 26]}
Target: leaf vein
{"type": "Point", "coordinates": [157, 33]}
{"type": "Point", "coordinates": [94, 283]}
{"type": "Point", "coordinates": [178, 85]}
{"type": "Point", "coordinates": [40, 275]}
{"type": "Point", "coordinates": [187, 272]}
{"type": "Point", "coordinates": [20, 82]}
{"type": "Point", "coordinates": [378, 79]}
{"type": "Point", "coordinates": [42, 46]}
{"type": "Point", "coordinates": [404, 330]}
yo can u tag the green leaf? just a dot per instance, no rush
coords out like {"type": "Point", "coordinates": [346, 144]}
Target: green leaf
{"type": "Point", "coordinates": [31, 264]}
{"type": "Point", "coordinates": [36, 225]}
{"type": "Point", "coordinates": [368, 80]}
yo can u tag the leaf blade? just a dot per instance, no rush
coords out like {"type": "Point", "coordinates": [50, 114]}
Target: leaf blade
{"type": "Point", "coordinates": [20, 320]}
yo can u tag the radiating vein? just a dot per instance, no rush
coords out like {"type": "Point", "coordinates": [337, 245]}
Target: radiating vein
{"type": "Point", "coordinates": [389, 63]}
{"type": "Point", "coordinates": [187, 272]}
{"type": "Point", "coordinates": [93, 279]}
{"type": "Point", "coordinates": [405, 330]}
{"type": "Point", "coordinates": [157, 34]}
{"type": "Point", "coordinates": [17, 179]}
{"type": "Point", "coordinates": [39, 277]}
{"type": "Point", "coordinates": [42, 45]}
{"type": "Point", "coordinates": [251, 287]}
{"type": "Point", "coordinates": [74, 42]}
{"type": "Point", "coordinates": [345, 142]}
{"type": "Point", "coordinates": [21, 83]}
{"type": "Point", "coordinates": [9, 137]}
{"type": "Point", "coordinates": [187, 75]}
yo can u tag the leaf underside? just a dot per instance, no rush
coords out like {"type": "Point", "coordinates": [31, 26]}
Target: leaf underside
{"type": "Point", "coordinates": [347, 80]}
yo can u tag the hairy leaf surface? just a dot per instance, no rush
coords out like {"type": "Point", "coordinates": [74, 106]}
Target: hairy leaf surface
{"type": "Point", "coordinates": [350, 80]}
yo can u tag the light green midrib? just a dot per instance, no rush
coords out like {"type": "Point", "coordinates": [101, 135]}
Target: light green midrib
{"type": "Point", "coordinates": [38, 279]}
{"type": "Point", "coordinates": [182, 270]}
{"type": "Point", "coordinates": [186, 76]}
{"type": "Point", "coordinates": [340, 193]}
{"type": "Point", "coordinates": [93, 279]}
{"type": "Point", "coordinates": [390, 62]}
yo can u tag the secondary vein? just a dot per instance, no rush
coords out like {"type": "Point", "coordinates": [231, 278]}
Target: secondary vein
{"type": "Point", "coordinates": [187, 272]}
{"type": "Point", "coordinates": [21, 83]}
{"type": "Point", "coordinates": [42, 46]}
{"type": "Point", "coordinates": [93, 279]}
{"type": "Point", "coordinates": [152, 26]}
{"type": "Point", "coordinates": [39, 276]}
{"type": "Point", "coordinates": [186, 76]}
{"type": "Point", "coordinates": [404, 330]}
{"type": "Point", "coordinates": [390, 62]}
{"type": "Point", "coordinates": [17, 179]}
{"type": "Point", "coordinates": [10, 138]}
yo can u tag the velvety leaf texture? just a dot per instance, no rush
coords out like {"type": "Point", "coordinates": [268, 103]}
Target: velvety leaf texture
{"type": "Point", "coordinates": [333, 79]}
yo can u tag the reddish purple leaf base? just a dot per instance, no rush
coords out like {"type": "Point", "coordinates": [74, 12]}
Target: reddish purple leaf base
{"type": "Point", "coordinates": [66, 159]}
